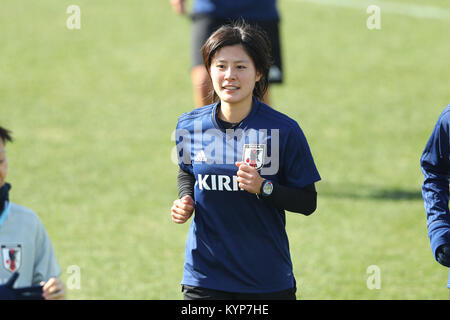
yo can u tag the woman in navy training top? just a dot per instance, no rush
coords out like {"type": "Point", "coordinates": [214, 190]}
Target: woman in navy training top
{"type": "Point", "coordinates": [237, 246]}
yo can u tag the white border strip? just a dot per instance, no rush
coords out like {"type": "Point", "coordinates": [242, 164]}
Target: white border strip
{"type": "Point", "coordinates": [411, 10]}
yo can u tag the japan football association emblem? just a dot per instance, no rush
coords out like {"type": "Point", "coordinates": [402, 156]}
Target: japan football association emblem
{"type": "Point", "coordinates": [253, 155]}
{"type": "Point", "coordinates": [11, 257]}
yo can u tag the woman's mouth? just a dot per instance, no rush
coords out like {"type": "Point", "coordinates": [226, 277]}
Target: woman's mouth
{"type": "Point", "coordinates": [231, 88]}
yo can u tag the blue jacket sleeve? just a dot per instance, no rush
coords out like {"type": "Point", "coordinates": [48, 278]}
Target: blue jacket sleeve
{"type": "Point", "coordinates": [435, 166]}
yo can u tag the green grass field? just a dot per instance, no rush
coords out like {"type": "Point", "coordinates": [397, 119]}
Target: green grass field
{"type": "Point", "coordinates": [93, 111]}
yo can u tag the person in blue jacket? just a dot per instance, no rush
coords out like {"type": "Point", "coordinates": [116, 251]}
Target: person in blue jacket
{"type": "Point", "coordinates": [435, 164]}
{"type": "Point", "coordinates": [208, 15]}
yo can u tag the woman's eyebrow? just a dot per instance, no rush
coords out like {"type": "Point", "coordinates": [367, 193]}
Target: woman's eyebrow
{"type": "Point", "coordinates": [234, 61]}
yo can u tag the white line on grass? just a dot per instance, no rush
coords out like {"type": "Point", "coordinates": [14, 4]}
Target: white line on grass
{"type": "Point", "coordinates": [412, 10]}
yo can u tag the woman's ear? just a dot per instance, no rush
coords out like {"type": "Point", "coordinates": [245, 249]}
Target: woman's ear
{"type": "Point", "coordinates": [258, 76]}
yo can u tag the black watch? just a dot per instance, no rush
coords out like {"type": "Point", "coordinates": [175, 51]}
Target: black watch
{"type": "Point", "coordinates": [266, 188]}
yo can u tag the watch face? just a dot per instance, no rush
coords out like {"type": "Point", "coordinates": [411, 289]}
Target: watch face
{"type": "Point", "coordinates": [268, 187]}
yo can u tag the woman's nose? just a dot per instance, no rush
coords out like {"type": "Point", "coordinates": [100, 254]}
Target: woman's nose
{"type": "Point", "coordinates": [229, 73]}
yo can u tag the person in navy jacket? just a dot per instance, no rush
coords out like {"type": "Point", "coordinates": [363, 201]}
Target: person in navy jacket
{"type": "Point", "coordinates": [435, 164]}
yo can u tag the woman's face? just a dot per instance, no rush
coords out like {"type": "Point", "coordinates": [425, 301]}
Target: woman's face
{"type": "Point", "coordinates": [233, 75]}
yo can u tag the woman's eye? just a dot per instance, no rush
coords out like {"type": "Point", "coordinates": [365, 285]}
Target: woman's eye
{"type": "Point", "coordinates": [241, 67]}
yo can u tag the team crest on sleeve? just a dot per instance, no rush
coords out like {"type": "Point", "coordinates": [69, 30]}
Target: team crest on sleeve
{"type": "Point", "coordinates": [11, 257]}
{"type": "Point", "coordinates": [253, 155]}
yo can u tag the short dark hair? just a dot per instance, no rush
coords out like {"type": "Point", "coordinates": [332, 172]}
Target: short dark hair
{"type": "Point", "coordinates": [5, 135]}
{"type": "Point", "coordinates": [254, 41]}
